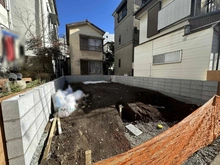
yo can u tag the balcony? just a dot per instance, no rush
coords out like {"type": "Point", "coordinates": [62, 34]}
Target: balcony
{"type": "Point", "coordinates": [204, 20]}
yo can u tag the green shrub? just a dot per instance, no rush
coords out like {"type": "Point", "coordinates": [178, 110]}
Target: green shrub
{"type": "Point", "coordinates": [15, 87]}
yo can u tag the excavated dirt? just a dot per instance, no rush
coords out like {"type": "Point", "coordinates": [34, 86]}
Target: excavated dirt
{"type": "Point", "coordinates": [96, 125]}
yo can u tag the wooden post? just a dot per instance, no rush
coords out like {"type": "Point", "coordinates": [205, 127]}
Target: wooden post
{"type": "Point", "coordinates": [88, 156]}
{"type": "Point", "coordinates": [59, 126]}
{"type": "Point", "coordinates": [47, 149]}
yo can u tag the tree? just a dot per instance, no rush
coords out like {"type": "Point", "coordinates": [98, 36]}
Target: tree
{"type": "Point", "coordinates": [109, 58]}
{"type": "Point", "coordinates": [42, 43]}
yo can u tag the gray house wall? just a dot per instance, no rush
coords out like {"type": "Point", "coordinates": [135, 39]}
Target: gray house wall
{"type": "Point", "coordinates": [125, 29]}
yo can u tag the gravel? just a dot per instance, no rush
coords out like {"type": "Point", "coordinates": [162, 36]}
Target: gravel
{"type": "Point", "coordinates": [149, 130]}
{"type": "Point", "coordinates": [203, 156]}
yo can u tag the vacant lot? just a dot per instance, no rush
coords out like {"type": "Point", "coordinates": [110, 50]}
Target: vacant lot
{"type": "Point", "coordinates": [96, 124]}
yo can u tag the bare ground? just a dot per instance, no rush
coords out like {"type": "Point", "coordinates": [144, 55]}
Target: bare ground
{"type": "Point", "coordinates": [97, 126]}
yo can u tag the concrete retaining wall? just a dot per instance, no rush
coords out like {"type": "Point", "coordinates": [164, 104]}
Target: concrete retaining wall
{"type": "Point", "coordinates": [25, 117]}
{"type": "Point", "coordinates": [75, 79]}
{"type": "Point", "coordinates": [189, 91]}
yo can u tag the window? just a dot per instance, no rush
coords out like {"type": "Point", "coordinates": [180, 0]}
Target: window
{"type": "Point", "coordinates": [119, 39]}
{"type": "Point", "coordinates": [95, 67]}
{"type": "Point", "coordinates": [206, 6]}
{"type": "Point", "coordinates": [122, 13]}
{"type": "Point", "coordinates": [171, 57]}
{"type": "Point", "coordinates": [2, 2]}
{"type": "Point", "coordinates": [144, 1]}
{"type": "Point", "coordinates": [119, 63]}
{"type": "Point", "coordinates": [153, 20]}
{"type": "Point", "coordinates": [91, 44]}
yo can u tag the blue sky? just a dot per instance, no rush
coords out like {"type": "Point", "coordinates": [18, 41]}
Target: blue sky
{"type": "Point", "coordinates": [99, 12]}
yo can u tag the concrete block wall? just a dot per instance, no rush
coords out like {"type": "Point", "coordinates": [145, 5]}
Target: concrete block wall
{"type": "Point", "coordinates": [190, 91]}
{"type": "Point", "coordinates": [76, 79]}
{"type": "Point", "coordinates": [25, 117]}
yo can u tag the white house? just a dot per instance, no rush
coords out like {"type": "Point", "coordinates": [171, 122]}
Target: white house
{"type": "Point", "coordinates": [108, 37]}
{"type": "Point", "coordinates": [30, 18]}
{"type": "Point", "coordinates": [178, 39]}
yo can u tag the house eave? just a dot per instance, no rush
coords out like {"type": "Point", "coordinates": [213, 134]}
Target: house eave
{"type": "Point", "coordinates": [145, 8]}
{"type": "Point", "coordinates": [77, 24]}
{"type": "Point", "coordinates": [123, 2]}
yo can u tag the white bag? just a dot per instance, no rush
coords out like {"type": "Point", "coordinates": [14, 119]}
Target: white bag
{"type": "Point", "coordinates": [77, 95]}
{"type": "Point", "coordinates": [66, 109]}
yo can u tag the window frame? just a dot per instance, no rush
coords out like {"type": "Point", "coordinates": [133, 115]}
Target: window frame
{"type": "Point", "coordinates": [122, 13]}
{"type": "Point", "coordinates": [167, 58]}
{"type": "Point", "coordinates": [119, 63]}
{"type": "Point", "coordinates": [210, 7]}
{"type": "Point", "coordinates": [86, 47]}
{"type": "Point", "coordinates": [152, 21]}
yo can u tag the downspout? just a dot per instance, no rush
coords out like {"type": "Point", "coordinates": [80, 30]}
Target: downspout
{"type": "Point", "coordinates": [218, 52]}
{"type": "Point", "coordinates": [42, 21]}
{"type": "Point", "coordinates": [218, 32]}
{"type": "Point", "coordinates": [8, 8]}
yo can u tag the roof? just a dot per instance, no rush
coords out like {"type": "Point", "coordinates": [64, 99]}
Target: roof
{"type": "Point", "coordinates": [86, 22]}
{"type": "Point", "coordinates": [123, 2]}
{"type": "Point", "coordinates": [145, 7]}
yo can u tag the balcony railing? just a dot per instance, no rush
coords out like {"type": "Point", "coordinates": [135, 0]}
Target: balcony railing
{"type": "Point", "coordinates": [204, 20]}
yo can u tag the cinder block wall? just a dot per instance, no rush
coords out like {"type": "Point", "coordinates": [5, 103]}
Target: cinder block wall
{"type": "Point", "coordinates": [189, 91]}
{"type": "Point", "coordinates": [25, 117]}
{"type": "Point", "coordinates": [75, 79]}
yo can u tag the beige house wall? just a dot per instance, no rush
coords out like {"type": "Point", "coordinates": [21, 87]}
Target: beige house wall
{"type": "Point", "coordinates": [196, 50]}
{"type": "Point", "coordinates": [75, 53]}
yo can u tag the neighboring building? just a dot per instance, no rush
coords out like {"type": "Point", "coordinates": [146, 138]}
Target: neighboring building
{"type": "Point", "coordinates": [35, 19]}
{"type": "Point", "coordinates": [85, 41]}
{"type": "Point", "coordinates": [4, 15]}
{"type": "Point", "coordinates": [108, 38]}
{"type": "Point", "coordinates": [31, 19]}
{"type": "Point", "coordinates": [106, 47]}
{"type": "Point", "coordinates": [178, 39]}
{"type": "Point", "coordinates": [126, 35]}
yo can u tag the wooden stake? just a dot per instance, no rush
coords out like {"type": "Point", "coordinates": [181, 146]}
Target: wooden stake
{"type": "Point", "coordinates": [47, 149]}
{"type": "Point", "coordinates": [59, 126]}
{"type": "Point", "coordinates": [88, 155]}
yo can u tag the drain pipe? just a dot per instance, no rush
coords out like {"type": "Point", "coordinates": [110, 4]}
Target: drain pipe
{"type": "Point", "coordinates": [8, 8]}
{"type": "Point", "coordinates": [120, 110]}
{"type": "Point", "coordinates": [218, 51]}
{"type": "Point", "coordinates": [218, 32]}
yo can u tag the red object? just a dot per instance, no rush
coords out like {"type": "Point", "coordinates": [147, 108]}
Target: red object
{"type": "Point", "coordinates": [9, 48]}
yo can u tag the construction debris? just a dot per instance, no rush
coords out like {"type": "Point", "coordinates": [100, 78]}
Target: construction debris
{"type": "Point", "coordinates": [88, 155]}
{"type": "Point", "coordinates": [134, 130]}
{"type": "Point", "coordinates": [59, 126]}
{"type": "Point", "coordinates": [47, 149]}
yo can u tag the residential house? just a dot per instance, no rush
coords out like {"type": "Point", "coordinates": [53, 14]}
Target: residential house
{"type": "Point", "coordinates": [126, 35]}
{"type": "Point", "coordinates": [31, 19]}
{"type": "Point", "coordinates": [85, 41]}
{"type": "Point", "coordinates": [179, 39]}
{"type": "Point", "coordinates": [108, 38]}
{"type": "Point", "coordinates": [35, 19]}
